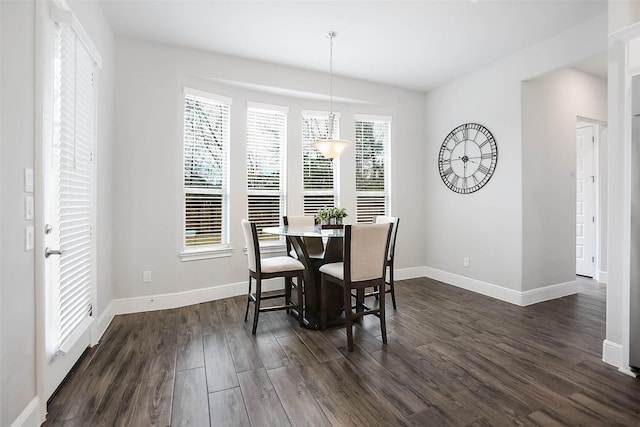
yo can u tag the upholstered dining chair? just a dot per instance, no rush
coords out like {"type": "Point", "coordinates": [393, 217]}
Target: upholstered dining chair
{"type": "Point", "coordinates": [392, 249]}
{"type": "Point", "coordinates": [314, 245]}
{"type": "Point", "coordinates": [267, 268]}
{"type": "Point", "coordinates": [364, 266]}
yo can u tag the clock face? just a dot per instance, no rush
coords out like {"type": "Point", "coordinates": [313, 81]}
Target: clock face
{"type": "Point", "coordinates": [467, 158]}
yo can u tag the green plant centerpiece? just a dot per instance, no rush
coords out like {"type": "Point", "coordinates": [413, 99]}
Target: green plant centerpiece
{"type": "Point", "coordinates": [331, 216]}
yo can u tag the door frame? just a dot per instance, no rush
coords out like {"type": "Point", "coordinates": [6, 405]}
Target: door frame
{"type": "Point", "coordinates": [44, 47]}
{"type": "Point", "coordinates": [599, 126]}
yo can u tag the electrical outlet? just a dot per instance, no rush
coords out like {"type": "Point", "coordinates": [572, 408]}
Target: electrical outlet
{"type": "Point", "coordinates": [146, 276]}
{"type": "Point", "coordinates": [465, 262]}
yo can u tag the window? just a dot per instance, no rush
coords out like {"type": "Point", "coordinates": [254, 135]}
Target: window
{"type": "Point", "coordinates": [372, 167]}
{"type": "Point", "coordinates": [266, 149]}
{"type": "Point", "coordinates": [319, 176]}
{"type": "Point", "coordinates": [206, 148]}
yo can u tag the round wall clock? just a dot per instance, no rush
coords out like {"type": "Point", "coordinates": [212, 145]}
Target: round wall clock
{"type": "Point", "coordinates": [467, 158]}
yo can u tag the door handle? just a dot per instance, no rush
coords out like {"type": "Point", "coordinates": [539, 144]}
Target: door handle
{"type": "Point", "coordinates": [48, 252]}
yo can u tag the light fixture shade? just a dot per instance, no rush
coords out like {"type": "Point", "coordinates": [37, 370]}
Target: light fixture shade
{"type": "Point", "coordinates": [331, 148]}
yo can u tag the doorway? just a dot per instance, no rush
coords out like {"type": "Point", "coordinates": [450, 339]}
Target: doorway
{"type": "Point", "coordinates": [587, 144]}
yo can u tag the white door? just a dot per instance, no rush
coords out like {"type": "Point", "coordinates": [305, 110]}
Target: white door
{"type": "Point", "coordinates": [585, 201]}
{"type": "Point", "coordinates": [69, 208]}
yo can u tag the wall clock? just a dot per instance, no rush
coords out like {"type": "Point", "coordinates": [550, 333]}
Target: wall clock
{"type": "Point", "coordinates": [467, 158]}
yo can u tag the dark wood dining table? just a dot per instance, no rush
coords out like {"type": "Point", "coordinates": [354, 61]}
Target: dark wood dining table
{"type": "Point", "coordinates": [299, 237]}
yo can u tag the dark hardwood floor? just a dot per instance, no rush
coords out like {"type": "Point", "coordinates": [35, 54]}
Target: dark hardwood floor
{"type": "Point", "coordinates": [454, 358]}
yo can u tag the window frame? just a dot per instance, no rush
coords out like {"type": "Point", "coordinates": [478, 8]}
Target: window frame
{"type": "Point", "coordinates": [272, 241]}
{"type": "Point", "coordinates": [386, 193]}
{"type": "Point", "coordinates": [222, 249]}
{"type": "Point", "coordinates": [335, 190]}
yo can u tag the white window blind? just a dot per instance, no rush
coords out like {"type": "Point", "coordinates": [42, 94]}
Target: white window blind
{"type": "Point", "coordinates": [319, 177]}
{"type": "Point", "coordinates": [372, 168]}
{"type": "Point", "coordinates": [73, 145]}
{"type": "Point", "coordinates": [266, 149]}
{"type": "Point", "coordinates": [206, 152]}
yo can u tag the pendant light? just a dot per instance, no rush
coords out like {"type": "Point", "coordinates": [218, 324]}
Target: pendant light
{"type": "Point", "coordinates": [331, 148]}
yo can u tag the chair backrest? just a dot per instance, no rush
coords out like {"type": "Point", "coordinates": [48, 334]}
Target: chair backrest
{"type": "Point", "coordinates": [251, 241]}
{"type": "Point", "coordinates": [313, 245]}
{"type": "Point", "coordinates": [394, 232]}
{"type": "Point", "coordinates": [365, 251]}
{"type": "Point", "coordinates": [299, 221]}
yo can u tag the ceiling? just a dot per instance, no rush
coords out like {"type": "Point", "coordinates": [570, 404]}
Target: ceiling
{"type": "Point", "coordinates": [413, 44]}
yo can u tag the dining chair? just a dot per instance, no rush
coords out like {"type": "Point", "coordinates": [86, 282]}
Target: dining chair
{"type": "Point", "coordinates": [364, 266]}
{"type": "Point", "coordinates": [392, 249]}
{"type": "Point", "coordinates": [267, 268]}
{"type": "Point", "coordinates": [314, 245]}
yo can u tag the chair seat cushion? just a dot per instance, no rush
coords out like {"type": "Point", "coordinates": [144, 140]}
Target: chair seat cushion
{"type": "Point", "coordinates": [280, 263]}
{"type": "Point", "coordinates": [335, 269]}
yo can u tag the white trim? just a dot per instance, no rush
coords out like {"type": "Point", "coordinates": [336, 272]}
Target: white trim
{"type": "Point", "coordinates": [500, 292]}
{"type": "Point", "coordinates": [182, 299]}
{"type": "Point", "coordinates": [484, 288]}
{"type": "Point", "coordinates": [195, 255]}
{"type": "Point", "coordinates": [101, 324]}
{"type": "Point", "coordinates": [409, 273]}
{"type": "Point", "coordinates": [549, 292]}
{"type": "Point", "coordinates": [267, 107]}
{"type": "Point", "coordinates": [208, 95]}
{"type": "Point", "coordinates": [372, 118]}
{"type": "Point", "coordinates": [603, 277]}
{"type": "Point", "coordinates": [318, 114]}
{"type": "Point", "coordinates": [61, 13]}
{"type": "Point", "coordinates": [612, 353]}
{"type": "Point", "coordinates": [29, 417]}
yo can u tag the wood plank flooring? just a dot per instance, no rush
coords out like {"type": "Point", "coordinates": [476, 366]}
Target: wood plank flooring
{"type": "Point", "coordinates": [453, 358]}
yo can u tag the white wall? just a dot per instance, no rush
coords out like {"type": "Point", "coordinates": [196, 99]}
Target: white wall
{"type": "Point", "coordinates": [550, 107]}
{"type": "Point", "coordinates": [17, 295]}
{"type": "Point", "coordinates": [148, 182]}
{"type": "Point", "coordinates": [487, 226]}
{"type": "Point", "coordinates": [17, 109]}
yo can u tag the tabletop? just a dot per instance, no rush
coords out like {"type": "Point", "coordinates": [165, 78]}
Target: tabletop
{"type": "Point", "coordinates": [304, 231]}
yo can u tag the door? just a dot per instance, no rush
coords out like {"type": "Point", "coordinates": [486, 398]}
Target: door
{"type": "Point", "coordinates": [585, 201]}
{"type": "Point", "coordinates": [69, 208]}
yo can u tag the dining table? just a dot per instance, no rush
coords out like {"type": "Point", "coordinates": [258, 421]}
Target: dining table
{"type": "Point", "coordinates": [305, 241]}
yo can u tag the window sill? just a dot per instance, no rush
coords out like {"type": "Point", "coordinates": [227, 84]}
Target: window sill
{"type": "Point", "coordinates": [199, 254]}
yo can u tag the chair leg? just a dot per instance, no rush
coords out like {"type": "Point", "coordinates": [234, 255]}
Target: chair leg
{"type": "Point", "coordinates": [300, 301]}
{"type": "Point", "coordinates": [257, 304]}
{"type": "Point", "coordinates": [288, 284]}
{"type": "Point", "coordinates": [383, 320]}
{"type": "Point", "coordinates": [393, 291]}
{"type": "Point", "coordinates": [323, 303]}
{"type": "Point", "coordinates": [246, 312]}
{"type": "Point", "coordinates": [348, 318]}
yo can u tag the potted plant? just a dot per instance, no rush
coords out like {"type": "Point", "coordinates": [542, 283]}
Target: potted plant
{"type": "Point", "coordinates": [323, 215]}
{"type": "Point", "coordinates": [339, 214]}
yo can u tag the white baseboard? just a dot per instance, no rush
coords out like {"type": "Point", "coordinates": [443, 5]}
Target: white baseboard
{"type": "Point", "coordinates": [101, 325]}
{"type": "Point", "coordinates": [547, 293]}
{"type": "Point", "coordinates": [408, 273]}
{"type": "Point", "coordinates": [500, 292]}
{"type": "Point", "coordinates": [612, 353]}
{"type": "Point", "coordinates": [603, 277]}
{"type": "Point", "coordinates": [30, 415]}
{"type": "Point", "coordinates": [181, 299]}
{"type": "Point", "coordinates": [484, 288]}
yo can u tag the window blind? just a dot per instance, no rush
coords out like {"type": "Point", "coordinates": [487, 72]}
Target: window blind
{"type": "Point", "coordinates": [266, 148]}
{"type": "Point", "coordinates": [372, 160]}
{"type": "Point", "coordinates": [206, 149]}
{"type": "Point", "coordinates": [73, 142]}
{"type": "Point", "coordinates": [319, 179]}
